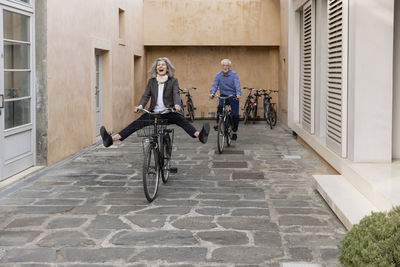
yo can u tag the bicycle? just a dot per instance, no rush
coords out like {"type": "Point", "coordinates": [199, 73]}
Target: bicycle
{"type": "Point", "coordinates": [248, 105]}
{"type": "Point", "coordinates": [269, 108]}
{"type": "Point", "coordinates": [255, 105]}
{"type": "Point", "coordinates": [157, 142]}
{"type": "Point", "coordinates": [189, 102]}
{"type": "Point", "coordinates": [225, 124]}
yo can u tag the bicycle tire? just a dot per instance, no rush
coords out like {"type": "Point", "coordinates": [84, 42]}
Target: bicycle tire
{"type": "Point", "coordinates": [254, 114]}
{"type": "Point", "coordinates": [228, 129]}
{"type": "Point", "coordinates": [182, 108]}
{"type": "Point", "coordinates": [221, 135]}
{"type": "Point", "coordinates": [246, 114]}
{"type": "Point", "coordinates": [266, 111]}
{"type": "Point", "coordinates": [273, 116]}
{"type": "Point", "coordinates": [265, 106]}
{"type": "Point", "coordinates": [151, 172]}
{"type": "Point", "coordinates": [191, 112]}
{"type": "Point", "coordinates": [166, 151]}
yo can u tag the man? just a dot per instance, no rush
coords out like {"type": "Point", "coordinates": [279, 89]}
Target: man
{"type": "Point", "coordinates": [163, 90]}
{"type": "Point", "coordinates": [228, 83]}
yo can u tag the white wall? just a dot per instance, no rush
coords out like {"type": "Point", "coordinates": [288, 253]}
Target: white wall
{"type": "Point", "coordinates": [396, 83]}
{"type": "Point", "coordinates": [370, 79]}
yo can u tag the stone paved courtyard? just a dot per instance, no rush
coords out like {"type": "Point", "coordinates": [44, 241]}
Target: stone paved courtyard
{"type": "Point", "coordinates": [251, 206]}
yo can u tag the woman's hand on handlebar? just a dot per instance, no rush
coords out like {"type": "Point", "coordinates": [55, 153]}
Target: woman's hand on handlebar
{"type": "Point", "coordinates": [177, 108]}
{"type": "Point", "coordinates": [136, 109]}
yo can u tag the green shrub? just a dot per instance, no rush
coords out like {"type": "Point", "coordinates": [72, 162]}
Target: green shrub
{"type": "Point", "coordinates": [375, 241]}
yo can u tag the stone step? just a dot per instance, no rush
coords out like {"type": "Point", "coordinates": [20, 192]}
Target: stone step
{"type": "Point", "coordinates": [343, 198]}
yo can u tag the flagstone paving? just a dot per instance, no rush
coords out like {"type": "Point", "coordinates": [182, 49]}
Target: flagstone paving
{"type": "Point", "coordinates": [253, 205]}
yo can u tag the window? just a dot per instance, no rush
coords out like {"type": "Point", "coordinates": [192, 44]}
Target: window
{"type": "Point", "coordinates": [17, 69]}
{"type": "Point", "coordinates": [122, 26]}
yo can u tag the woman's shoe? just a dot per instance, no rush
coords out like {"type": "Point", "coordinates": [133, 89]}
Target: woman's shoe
{"type": "Point", "coordinates": [107, 139]}
{"type": "Point", "coordinates": [203, 136]}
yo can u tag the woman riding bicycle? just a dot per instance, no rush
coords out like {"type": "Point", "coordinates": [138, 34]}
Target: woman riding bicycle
{"type": "Point", "coordinates": [228, 83]}
{"type": "Point", "coordinates": [163, 89]}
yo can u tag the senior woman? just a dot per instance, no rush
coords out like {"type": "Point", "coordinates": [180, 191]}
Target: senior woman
{"type": "Point", "coordinates": [163, 89]}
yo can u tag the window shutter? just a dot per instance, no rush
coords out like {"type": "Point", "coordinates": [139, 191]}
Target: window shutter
{"type": "Point", "coordinates": [336, 135]}
{"type": "Point", "coordinates": [307, 65]}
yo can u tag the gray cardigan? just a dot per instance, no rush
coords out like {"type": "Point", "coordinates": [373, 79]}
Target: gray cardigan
{"type": "Point", "coordinates": [171, 93]}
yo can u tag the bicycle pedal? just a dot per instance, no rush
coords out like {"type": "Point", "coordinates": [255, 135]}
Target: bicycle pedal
{"type": "Point", "coordinates": [173, 170]}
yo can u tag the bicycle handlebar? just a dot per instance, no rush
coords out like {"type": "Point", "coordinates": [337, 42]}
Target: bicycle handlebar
{"type": "Point", "coordinates": [156, 113]}
{"type": "Point", "coordinates": [186, 90]}
{"type": "Point", "coordinates": [225, 97]}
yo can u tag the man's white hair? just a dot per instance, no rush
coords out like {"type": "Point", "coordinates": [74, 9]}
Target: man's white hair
{"type": "Point", "coordinates": [226, 61]}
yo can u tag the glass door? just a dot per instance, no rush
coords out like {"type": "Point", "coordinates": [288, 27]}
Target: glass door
{"type": "Point", "coordinates": [17, 139]}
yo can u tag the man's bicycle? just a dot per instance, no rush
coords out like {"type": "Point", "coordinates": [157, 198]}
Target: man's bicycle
{"type": "Point", "coordinates": [189, 102]}
{"type": "Point", "coordinates": [225, 124]}
{"type": "Point", "coordinates": [157, 143]}
{"type": "Point", "coordinates": [269, 108]}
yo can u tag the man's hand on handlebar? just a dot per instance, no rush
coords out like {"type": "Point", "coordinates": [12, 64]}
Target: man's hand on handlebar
{"type": "Point", "coordinates": [212, 96]}
{"type": "Point", "coordinates": [238, 97]}
{"type": "Point", "coordinates": [177, 108]}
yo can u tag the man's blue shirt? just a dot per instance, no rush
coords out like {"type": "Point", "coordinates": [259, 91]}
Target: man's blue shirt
{"type": "Point", "coordinates": [228, 85]}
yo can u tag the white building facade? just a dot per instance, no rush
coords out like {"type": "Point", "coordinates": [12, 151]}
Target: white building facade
{"type": "Point", "coordinates": [344, 98]}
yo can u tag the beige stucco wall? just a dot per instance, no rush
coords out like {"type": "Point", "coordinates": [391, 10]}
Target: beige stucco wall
{"type": "Point", "coordinates": [75, 29]}
{"type": "Point", "coordinates": [212, 22]}
{"type": "Point", "coordinates": [257, 67]}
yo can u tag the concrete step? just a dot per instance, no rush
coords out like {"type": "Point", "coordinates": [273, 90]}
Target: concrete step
{"type": "Point", "coordinates": [343, 198]}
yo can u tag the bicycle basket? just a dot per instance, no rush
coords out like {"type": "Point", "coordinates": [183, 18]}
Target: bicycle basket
{"type": "Point", "coordinates": [150, 131]}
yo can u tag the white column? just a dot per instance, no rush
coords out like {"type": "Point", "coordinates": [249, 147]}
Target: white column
{"type": "Point", "coordinates": [370, 80]}
{"type": "Point", "coordinates": [396, 83]}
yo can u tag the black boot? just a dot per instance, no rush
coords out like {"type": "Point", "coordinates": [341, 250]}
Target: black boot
{"type": "Point", "coordinates": [203, 136]}
{"type": "Point", "coordinates": [107, 139]}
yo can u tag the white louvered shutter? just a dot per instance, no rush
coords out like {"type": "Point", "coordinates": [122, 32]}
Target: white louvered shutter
{"type": "Point", "coordinates": [337, 77]}
{"type": "Point", "coordinates": [307, 67]}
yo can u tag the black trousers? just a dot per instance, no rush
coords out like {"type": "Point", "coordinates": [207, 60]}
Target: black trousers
{"type": "Point", "coordinates": [146, 119]}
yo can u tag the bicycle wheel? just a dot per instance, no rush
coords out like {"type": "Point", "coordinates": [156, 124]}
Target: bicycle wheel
{"type": "Point", "coordinates": [265, 106]}
{"type": "Point", "coordinates": [221, 134]}
{"type": "Point", "coordinates": [166, 151]}
{"type": "Point", "coordinates": [273, 116]}
{"type": "Point", "coordinates": [228, 129]}
{"type": "Point", "coordinates": [246, 114]}
{"type": "Point", "coordinates": [151, 172]}
{"type": "Point", "coordinates": [191, 112]}
{"type": "Point", "coordinates": [266, 111]}
{"type": "Point", "coordinates": [254, 114]}
{"type": "Point", "coordinates": [182, 108]}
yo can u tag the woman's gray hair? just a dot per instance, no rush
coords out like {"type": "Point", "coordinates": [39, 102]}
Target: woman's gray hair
{"type": "Point", "coordinates": [226, 61]}
{"type": "Point", "coordinates": [170, 67]}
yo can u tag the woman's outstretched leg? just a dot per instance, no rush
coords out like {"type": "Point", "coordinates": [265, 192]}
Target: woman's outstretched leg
{"type": "Point", "coordinates": [138, 124]}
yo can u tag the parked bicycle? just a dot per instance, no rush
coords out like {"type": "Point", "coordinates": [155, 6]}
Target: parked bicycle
{"type": "Point", "coordinates": [225, 124]}
{"type": "Point", "coordinates": [250, 106]}
{"type": "Point", "coordinates": [269, 108]}
{"type": "Point", "coordinates": [189, 102]}
{"type": "Point", "coordinates": [157, 144]}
